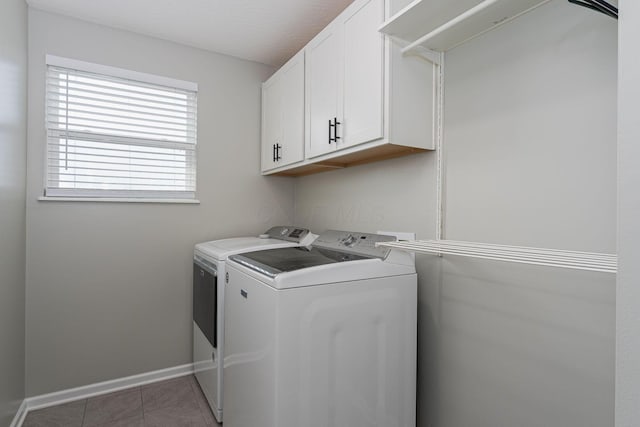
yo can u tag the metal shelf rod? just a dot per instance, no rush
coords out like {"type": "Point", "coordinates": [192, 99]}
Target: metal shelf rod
{"type": "Point", "coordinates": [529, 250]}
{"type": "Point", "coordinates": [535, 256]}
{"type": "Point", "coordinates": [506, 256]}
{"type": "Point", "coordinates": [507, 252]}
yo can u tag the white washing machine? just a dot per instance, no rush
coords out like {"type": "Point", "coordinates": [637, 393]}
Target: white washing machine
{"type": "Point", "coordinates": [321, 337]}
{"type": "Point", "coordinates": [208, 301]}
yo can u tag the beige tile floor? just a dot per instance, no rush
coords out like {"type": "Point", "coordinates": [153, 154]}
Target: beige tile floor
{"type": "Point", "coordinates": [177, 402]}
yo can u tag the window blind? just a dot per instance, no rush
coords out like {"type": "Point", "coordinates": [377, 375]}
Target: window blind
{"type": "Point", "coordinates": [113, 136]}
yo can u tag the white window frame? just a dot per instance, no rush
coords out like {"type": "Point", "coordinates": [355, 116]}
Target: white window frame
{"type": "Point", "coordinates": [156, 196]}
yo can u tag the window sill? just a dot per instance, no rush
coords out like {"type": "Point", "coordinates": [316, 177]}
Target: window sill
{"type": "Point", "coordinates": [118, 200]}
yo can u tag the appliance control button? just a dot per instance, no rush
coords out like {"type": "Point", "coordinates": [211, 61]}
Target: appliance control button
{"type": "Point", "coordinates": [350, 240]}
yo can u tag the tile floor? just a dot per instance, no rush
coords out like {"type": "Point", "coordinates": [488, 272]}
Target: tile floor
{"type": "Point", "coordinates": [177, 402]}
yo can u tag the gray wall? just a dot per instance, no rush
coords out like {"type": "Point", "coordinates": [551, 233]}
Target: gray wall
{"type": "Point", "coordinates": [13, 142]}
{"type": "Point", "coordinates": [628, 296]}
{"type": "Point", "coordinates": [109, 284]}
{"type": "Point", "coordinates": [530, 139]}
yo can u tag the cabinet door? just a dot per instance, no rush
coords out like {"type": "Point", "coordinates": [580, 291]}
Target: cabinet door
{"type": "Point", "coordinates": [363, 74]}
{"type": "Point", "coordinates": [271, 121]}
{"type": "Point", "coordinates": [324, 89]}
{"type": "Point", "coordinates": [292, 107]}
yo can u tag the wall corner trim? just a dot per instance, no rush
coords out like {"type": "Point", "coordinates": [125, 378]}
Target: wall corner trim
{"type": "Point", "coordinates": [96, 389]}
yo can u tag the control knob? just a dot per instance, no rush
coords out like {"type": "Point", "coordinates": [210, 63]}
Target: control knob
{"type": "Point", "coordinates": [350, 240]}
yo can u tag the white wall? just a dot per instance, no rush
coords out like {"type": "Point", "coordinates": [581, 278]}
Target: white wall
{"type": "Point", "coordinates": [628, 295]}
{"type": "Point", "coordinates": [530, 123]}
{"type": "Point", "coordinates": [109, 284]}
{"type": "Point", "coordinates": [13, 143]}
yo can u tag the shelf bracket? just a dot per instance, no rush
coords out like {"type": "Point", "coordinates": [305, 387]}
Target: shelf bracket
{"type": "Point", "coordinates": [432, 56]}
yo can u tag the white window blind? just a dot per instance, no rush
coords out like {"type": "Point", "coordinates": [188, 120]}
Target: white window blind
{"type": "Point", "coordinates": [117, 133]}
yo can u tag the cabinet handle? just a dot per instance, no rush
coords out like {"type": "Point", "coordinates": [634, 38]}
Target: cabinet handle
{"type": "Point", "coordinates": [273, 152]}
{"type": "Point", "coordinates": [334, 125]}
{"type": "Point", "coordinates": [278, 152]}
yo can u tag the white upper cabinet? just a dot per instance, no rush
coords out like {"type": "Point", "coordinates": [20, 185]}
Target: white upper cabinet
{"type": "Point", "coordinates": [364, 101]}
{"type": "Point", "coordinates": [283, 115]}
{"type": "Point", "coordinates": [293, 112]}
{"type": "Point", "coordinates": [324, 89]}
{"type": "Point", "coordinates": [271, 122]}
{"type": "Point", "coordinates": [345, 80]}
{"type": "Point", "coordinates": [362, 118]}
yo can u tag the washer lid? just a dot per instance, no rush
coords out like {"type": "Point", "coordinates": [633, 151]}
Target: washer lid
{"type": "Point", "coordinates": [221, 249]}
{"type": "Point", "coordinates": [272, 262]}
{"type": "Point", "coordinates": [280, 236]}
{"type": "Point", "coordinates": [335, 256]}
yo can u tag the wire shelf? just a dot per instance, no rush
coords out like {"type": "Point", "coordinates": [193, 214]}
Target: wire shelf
{"type": "Point", "coordinates": [590, 261]}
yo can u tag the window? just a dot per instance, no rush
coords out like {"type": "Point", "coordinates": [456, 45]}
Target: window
{"type": "Point", "coordinates": [113, 133]}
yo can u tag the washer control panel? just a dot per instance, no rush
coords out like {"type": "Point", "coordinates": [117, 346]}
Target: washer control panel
{"type": "Point", "coordinates": [354, 242]}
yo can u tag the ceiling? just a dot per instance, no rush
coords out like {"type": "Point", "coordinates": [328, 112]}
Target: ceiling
{"type": "Point", "coordinates": [266, 31]}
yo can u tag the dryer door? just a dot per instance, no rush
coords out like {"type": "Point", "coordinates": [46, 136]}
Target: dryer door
{"type": "Point", "coordinates": [205, 286]}
{"type": "Point", "coordinates": [206, 362]}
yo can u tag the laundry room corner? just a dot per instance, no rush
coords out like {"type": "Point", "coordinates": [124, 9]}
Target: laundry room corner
{"type": "Point", "coordinates": [109, 283]}
{"type": "Point", "coordinates": [529, 143]}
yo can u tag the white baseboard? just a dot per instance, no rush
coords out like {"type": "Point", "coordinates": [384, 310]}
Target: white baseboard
{"type": "Point", "coordinates": [91, 390]}
{"type": "Point", "coordinates": [20, 415]}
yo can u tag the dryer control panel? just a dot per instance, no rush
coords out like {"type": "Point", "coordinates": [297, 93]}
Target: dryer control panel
{"type": "Point", "coordinates": [302, 236]}
{"type": "Point", "coordinates": [354, 242]}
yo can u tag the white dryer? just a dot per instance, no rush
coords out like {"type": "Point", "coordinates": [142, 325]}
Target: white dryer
{"type": "Point", "coordinates": [321, 337]}
{"type": "Point", "coordinates": [208, 301]}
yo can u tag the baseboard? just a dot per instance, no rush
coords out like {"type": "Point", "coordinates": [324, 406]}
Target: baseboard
{"type": "Point", "coordinates": [91, 390]}
{"type": "Point", "coordinates": [20, 415]}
